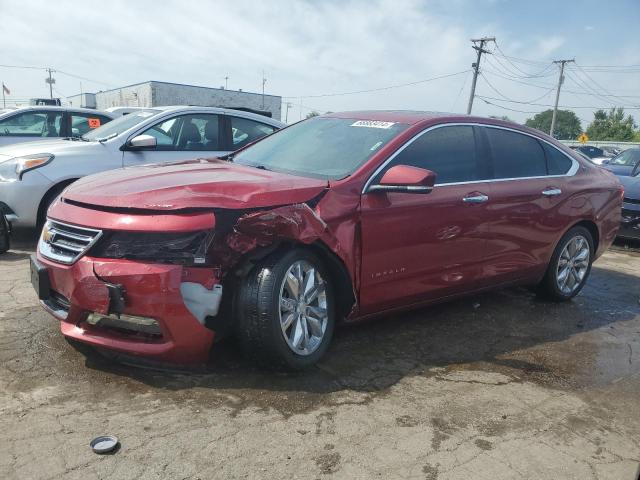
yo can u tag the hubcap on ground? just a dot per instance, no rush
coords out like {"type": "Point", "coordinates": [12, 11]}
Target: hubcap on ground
{"type": "Point", "coordinates": [573, 264]}
{"type": "Point", "coordinates": [303, 308]}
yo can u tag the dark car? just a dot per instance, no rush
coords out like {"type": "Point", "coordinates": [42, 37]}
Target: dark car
{"type": "Point", "coordinates": [625, 163]}
{"type": "Point", "coordinates": [597, 155]}
{"type": "Point", "coordinates": [630, 227]}
{"type": "Point", "coordinates": [337, 218]}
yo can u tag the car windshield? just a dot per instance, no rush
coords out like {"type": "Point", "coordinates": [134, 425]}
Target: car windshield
{"type": "Point", "coordinates": [627, 158]}
{"type": "Point", "coordinates": [321, 147]}
{"type": "Point", "coordinates": [119, 125]}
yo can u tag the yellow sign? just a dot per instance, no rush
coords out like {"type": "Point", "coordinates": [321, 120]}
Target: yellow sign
{"type": "Point", "coordinates": [583, 138]}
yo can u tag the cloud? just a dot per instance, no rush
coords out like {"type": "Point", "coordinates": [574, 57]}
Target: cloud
{"type": "Point", "coordinates": [547, 45]}
{"type": "Point", "coordinates": [305, 48]}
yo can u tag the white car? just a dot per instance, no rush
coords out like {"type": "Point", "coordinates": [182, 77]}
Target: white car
{"type": "Point", "coordinates": [33, 174]}
{"type": "Point", "coordinates": [26, 124]}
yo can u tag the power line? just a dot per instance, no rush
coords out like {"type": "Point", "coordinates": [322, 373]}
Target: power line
{"type": "Point", "coordinates": [511, 100]}
{"type": "Point", "coordinates": [503, 107]}
{"type": "Point", "coordinates": [380, 88]}
{"type": "Point", "coordinates": [544, 87]}
{"type": "Point", "coordinates": [526, 74]}
{"type": "Point", "coordinates": [592, 107]}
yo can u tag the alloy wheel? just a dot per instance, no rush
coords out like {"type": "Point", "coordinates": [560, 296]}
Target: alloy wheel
{"type": "Point", "coordinates": [303, 308]}
{"type": "Point", "coordinates": [573, 264]}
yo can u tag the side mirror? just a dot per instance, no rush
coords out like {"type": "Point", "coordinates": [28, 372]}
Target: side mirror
{"type": "Point", "coordinates": [142, 142]}
{"type": "Point", "coordinates": [606, 161]}
{"type": "Point", "coordinates": [405, 179]}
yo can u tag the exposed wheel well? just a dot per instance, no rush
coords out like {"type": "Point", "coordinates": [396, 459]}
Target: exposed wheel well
{"type": "Point", "coordinates": [345, 296]}
{"type": "Point", "coordinates": [48, 197]}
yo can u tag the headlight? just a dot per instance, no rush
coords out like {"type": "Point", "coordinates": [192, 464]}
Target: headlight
{"type": "Point", "coordinates": [187, 248]}
{"type": "Point", "coordinates": [14, 168]}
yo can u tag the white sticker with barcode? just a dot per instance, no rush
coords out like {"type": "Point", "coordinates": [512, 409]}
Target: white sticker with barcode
{"type": "Point", "coordinates": [372, 124]}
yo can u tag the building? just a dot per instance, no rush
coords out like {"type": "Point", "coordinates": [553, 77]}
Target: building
{"type": "Point", "coordinates": [157, 94]}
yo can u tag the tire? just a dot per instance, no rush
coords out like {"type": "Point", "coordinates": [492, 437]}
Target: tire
{"type": "Point", "coordinates": [46, 203]}
{"type": "Point", "coordinates": [5, 235]}
{"type": "Point", "coordinates": [558, 287]}
{"type": "Point", "coordinates": [266, 300]}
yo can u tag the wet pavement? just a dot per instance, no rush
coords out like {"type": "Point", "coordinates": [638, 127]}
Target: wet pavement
{"type": "Point", "coordinates": [500, 385]}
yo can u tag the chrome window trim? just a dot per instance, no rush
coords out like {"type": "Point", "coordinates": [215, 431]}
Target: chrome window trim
{"type": "Point", "coordinates": [575, 165]}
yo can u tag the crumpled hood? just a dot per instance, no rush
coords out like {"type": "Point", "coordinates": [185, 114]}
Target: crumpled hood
{"type": "Point", "coordinates": [194, 184]}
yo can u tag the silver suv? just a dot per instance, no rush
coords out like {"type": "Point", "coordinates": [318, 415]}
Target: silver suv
{"type": "Point", "coordinates": [33, 174]}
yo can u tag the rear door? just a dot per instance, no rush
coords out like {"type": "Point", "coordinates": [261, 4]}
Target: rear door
{"type": "Point", "coordinates": [80, 123]}
{"type": "Point", "coordinates": [181, 137]}
{"type": "Point", "coordinates": [527, 195]}
{"type": "Point", "coordinates": [418, 247]}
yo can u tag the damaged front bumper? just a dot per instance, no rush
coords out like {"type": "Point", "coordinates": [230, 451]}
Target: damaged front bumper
{"type": "Point", "coordinates": [156, 312]}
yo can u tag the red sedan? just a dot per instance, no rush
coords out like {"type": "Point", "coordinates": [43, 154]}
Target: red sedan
{"type": "Point", "coordinates": [337, 218]}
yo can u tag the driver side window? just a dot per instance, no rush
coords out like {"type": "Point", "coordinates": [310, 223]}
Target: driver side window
{"type": "Point", "coordinates": [448, 151]}
{"type": "Point", "coordinates": [197, 132]}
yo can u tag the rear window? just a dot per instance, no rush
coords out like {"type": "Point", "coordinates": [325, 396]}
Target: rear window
{"type": "Point", "coordinates": [557, 162]}
{"type": "Point", "coordinates": [515, 155]}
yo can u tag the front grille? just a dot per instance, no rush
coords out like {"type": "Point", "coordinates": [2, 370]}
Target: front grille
{"type": "Point", "coordinates": [635, 201]}
{"type": "Point", "coordinates": [66, 243]}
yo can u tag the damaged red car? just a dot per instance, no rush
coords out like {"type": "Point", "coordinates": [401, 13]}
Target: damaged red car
{"type": "Point", "coordinates": [334, 219]}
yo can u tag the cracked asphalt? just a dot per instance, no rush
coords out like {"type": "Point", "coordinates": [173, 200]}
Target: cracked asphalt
{"type": "Point", "coordinates": [497, 386]}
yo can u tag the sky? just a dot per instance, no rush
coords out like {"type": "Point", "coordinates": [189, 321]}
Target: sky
{"type": "Point", "coordinates": [312, 50]}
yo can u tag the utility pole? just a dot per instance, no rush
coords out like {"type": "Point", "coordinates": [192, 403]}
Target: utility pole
{"type": "Point", "coordinates": [286, 115]}
{"type": "Point", "coordinates": [560, 81]}
{"type": "Point", "coordinates": [226, 83]}
{"type": "Point", "coordinates": [476, 66]}
{"type": "Point", "coordinates": [264, 80]}
{"type": "Point", "coordinates": [50, 81]}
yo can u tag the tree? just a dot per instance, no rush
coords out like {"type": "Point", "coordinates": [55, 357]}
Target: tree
{"type": "Point", "coordinates": [567, 127]}
{"type": "Point", "coordinates": [612, 125]}
{"type": "Point", "coordinates": [313, 113]}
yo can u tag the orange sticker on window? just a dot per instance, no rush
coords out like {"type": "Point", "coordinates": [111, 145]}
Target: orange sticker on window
{"type": "Point", "coordinates": [94, 122]}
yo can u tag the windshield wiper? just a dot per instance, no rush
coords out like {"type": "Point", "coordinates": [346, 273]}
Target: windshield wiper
{"type": "Point", "coordinates": [228, 157]}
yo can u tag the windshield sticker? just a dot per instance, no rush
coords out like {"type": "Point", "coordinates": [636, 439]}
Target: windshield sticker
{"type": "Point", "coordinates": [372, 124]}
{"type": "Point", "coordinates": [94, 122]}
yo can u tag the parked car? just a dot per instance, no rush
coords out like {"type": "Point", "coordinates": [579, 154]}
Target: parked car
{"type": "Point", "coordinates": [33, 174]}
{"type": "Point", "coordinates": [630, 227]}
{"type": "Point", "coordinates": [610, 151]}
{"type": "Point", "coordinates": [27, 124]}
{"type": "Point", "coordinates": [339, 217]}
{"type": "Point", "coordinates": [596, 154]}
{"type": "Point", "coordinates": [624, 163]}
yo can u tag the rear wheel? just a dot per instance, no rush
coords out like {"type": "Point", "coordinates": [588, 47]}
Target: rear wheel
{"type": "Point", "coordinates": [285, 311]}
{"type": "Point", "coordinates": [570, 265]}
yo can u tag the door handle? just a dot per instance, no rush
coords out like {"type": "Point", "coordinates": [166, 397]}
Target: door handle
{"type": "Point", "coordinates": [551, 192]}
{"type": "Point", "coordinates": [475, 199]}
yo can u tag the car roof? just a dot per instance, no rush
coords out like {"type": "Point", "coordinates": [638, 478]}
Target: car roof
{"type": "Point", "coordinates": [55, 108]}
{"type": "Point", "coordinates": [400, 116]}
{"type": "Point", "coordinates": [221, 111]}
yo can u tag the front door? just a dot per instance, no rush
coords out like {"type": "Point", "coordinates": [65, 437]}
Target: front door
{"type": "Point", "coordinates": [183, 137]}
{"type": "Point", "coordinates": [419, 247]}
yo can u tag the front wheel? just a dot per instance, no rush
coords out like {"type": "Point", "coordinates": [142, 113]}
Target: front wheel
{"type": "Point", "coordinates": [285, 312]}
{"type": "Point", "coordinates": [570, 265]}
